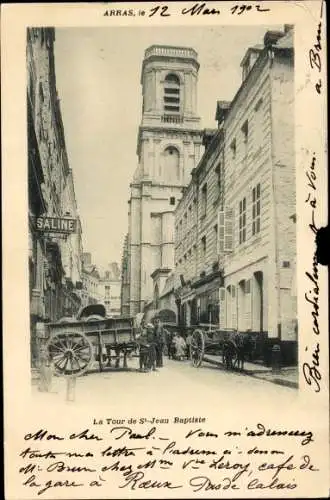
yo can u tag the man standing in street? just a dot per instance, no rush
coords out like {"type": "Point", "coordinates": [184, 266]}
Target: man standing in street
{"type": "Point", "coordinates": [160, 341]}
{"type": "Point", "coordinates": [152, 346]}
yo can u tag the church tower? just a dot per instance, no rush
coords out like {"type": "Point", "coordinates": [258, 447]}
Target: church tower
{"type": "Point", "coordinates": [168, 148]}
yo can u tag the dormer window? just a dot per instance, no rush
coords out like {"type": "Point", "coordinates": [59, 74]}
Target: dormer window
{"type": "Point", "coordinates": [246, 68]}
{"type": "Point", "coordinates": [172, 94]}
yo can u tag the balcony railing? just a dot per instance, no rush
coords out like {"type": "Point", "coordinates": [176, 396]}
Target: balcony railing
{"type": "Point", "coordinates": [172, 119]}
{"type": "Point", "coordinates": [156, 50]}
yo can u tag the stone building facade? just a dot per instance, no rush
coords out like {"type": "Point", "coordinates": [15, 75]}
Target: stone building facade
{"type": "Point", "coordinates": [110, 290]}
{"type": "Point", "coordinates": [125, 284]}
{"type": "Point", "coordinates": [90, 292]}
{"type": "Point", "coordinates": [244, 194]}
{"type": "Point", "coordinates": [54, 260]}
{"type": "Point", "coordinates": [169, 146]}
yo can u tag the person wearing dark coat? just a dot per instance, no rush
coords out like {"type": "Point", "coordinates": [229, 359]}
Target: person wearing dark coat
{"type": "Point", "coordinates": [152, 346]}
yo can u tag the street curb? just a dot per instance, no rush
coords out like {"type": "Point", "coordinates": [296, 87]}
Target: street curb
{"type": "Point", "coordinates": [277, 381]}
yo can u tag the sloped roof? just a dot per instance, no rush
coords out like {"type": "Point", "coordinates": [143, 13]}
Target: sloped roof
{"type": "Point", "coordinates": [286, 42]}
{"type": "Point", "coordinates": [169, 285]}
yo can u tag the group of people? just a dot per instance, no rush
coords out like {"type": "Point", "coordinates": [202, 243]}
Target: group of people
{"type": "Point", "coordinates": [151, 346]}
{"type": "Point", "coordinates": [178, 347]}
{"type": "Point", "coordinates": [153, 340]}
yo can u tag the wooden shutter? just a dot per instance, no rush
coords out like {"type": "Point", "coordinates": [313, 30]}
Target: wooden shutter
{"type": "Point", "coordinates": [229, 233]}
{"type": "Point", "coordinates": [221, 232]}
{"type": "Point", "coordinates": [222, 307]}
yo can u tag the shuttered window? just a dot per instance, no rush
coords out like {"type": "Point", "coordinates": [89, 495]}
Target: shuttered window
{"type": "Point", "coordinates": [242, 220]}
{"type": "Point", "coordinates": [256, 209]}
{"type": "Point", "coordinates": [225, 230]}
{"type": "Point", "coordinates": [222, 304]}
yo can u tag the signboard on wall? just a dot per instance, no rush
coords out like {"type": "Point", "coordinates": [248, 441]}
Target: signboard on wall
{"type": "Point", "coordinates": [56, 225]}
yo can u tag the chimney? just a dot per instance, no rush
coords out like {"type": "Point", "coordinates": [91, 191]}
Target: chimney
{"type": "Point", "coordinates": [288, 27]}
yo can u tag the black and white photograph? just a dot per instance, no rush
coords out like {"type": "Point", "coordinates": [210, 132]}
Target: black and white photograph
{"type": "Point", "coordinates": [185, 254]}
{"type": "Point", "coordinates": [167, 202]}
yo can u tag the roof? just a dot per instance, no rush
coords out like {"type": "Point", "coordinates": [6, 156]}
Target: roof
{"type": "Point", "coordinates": [286, 42]}
{"type": "Point", "coordinates": [169, 285]}
{"type": "Point", "coordinates": [256, 49]}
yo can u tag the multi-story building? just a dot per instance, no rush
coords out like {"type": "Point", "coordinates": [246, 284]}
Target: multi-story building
{"type": "Point", "coordinates": [169, 146]}
{"type": "Point", "coordinates": [197, 261]}
{"type": "Point", "coordinates": [51, 191]}
{"type": "Point", "coordinates": [244, 188]}
{"type": "Point", "coordinates": [125, 285]}
{"type": "Point", "coordinates": [90, 291]}
{"type": "Point", "coordinates": [110, 290]}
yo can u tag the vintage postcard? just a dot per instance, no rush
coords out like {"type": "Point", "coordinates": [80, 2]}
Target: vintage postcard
{"type": "Point", "coordinates": [165, 308]}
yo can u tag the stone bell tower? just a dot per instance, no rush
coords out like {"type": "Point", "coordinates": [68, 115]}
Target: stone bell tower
{"type": "Point", "coordinates": [168, 148]}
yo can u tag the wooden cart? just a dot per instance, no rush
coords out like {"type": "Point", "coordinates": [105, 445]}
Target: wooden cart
{"type": "Point", "coordinates": [234, 347]}
{"type": "Point", "coordinates": [74, 345]}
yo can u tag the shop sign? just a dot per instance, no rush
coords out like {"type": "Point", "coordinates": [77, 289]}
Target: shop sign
{"type": "Point", "coordinates": [56, 225]}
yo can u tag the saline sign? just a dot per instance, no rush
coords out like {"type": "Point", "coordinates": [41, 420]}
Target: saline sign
{"type": "Point", "coordinates": [56, 225]}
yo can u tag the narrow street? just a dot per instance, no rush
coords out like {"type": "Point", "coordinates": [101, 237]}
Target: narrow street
{"type": "Point", "coordinates": [177, 385]}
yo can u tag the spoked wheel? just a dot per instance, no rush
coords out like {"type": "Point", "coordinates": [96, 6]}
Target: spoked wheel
{"type": "Point", "coordinates": [197, 348]}
{"type": "Point", "coordinates": [71, 353]}
{"type": "Point", "coordinates": [230, 355]}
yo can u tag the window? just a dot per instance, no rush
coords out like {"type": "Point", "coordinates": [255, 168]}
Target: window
{"type": "Point", "coordinates": [242, 220]}
{"type": "Point", "coordinates": [172, 94]}
{"type": "Point", "coordinates": [204, 200]}
{"type": "Point", "coordinates": [217, 172]}
{"type": "Point", "coordinates": [171, 164]}
{"type": "Point", "coordinates": [233, 149]}
{"type": "Point", "coordinates": [225, 230]}
{"type": "Point", "coordinates": [172, 200]}
{"type": "Point", "coordinates": [185, 222]}
{"type": "Point", "coordinates": [189, 216]}
{"type": "Point", "coordinates": [256, 209]}
{"type": "Point", "coordinates": [245, 131]}
{"type": "Point", "coordinates": [215, 229]}
{"type": "Point", "coordinates": [246, 68]}
{"type": "Point", "coordinates": [203, 246]}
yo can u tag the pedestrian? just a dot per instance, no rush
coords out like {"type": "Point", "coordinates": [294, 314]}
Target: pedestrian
{"type": "Point", "coordinates": [151, 343]}
{"type": "Point", "coordinates": [180, 347]}
{"type": "Point", "coordinates": [168, 340]}
{"type": "Point", "coordinates": [159, 341]}
{"type": "Point", "coordinates": [143, 351]}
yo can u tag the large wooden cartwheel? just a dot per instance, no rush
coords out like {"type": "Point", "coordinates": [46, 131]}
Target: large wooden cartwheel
{"type": "Point", "coordinates": [230, 355]}
{"type": "Point", "coordinates": [197, 347]}
{"type": "Point", "coordinates": [71, 352]}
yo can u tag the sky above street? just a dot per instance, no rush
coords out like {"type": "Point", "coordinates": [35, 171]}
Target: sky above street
{"type": "Point", "coordinates": [98, 80]}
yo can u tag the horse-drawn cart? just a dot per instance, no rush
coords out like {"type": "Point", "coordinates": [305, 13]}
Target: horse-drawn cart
{"type": "Point", "coordinates": [234, 347]}
{"type": "Point", "coordinates": [74, 345]}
